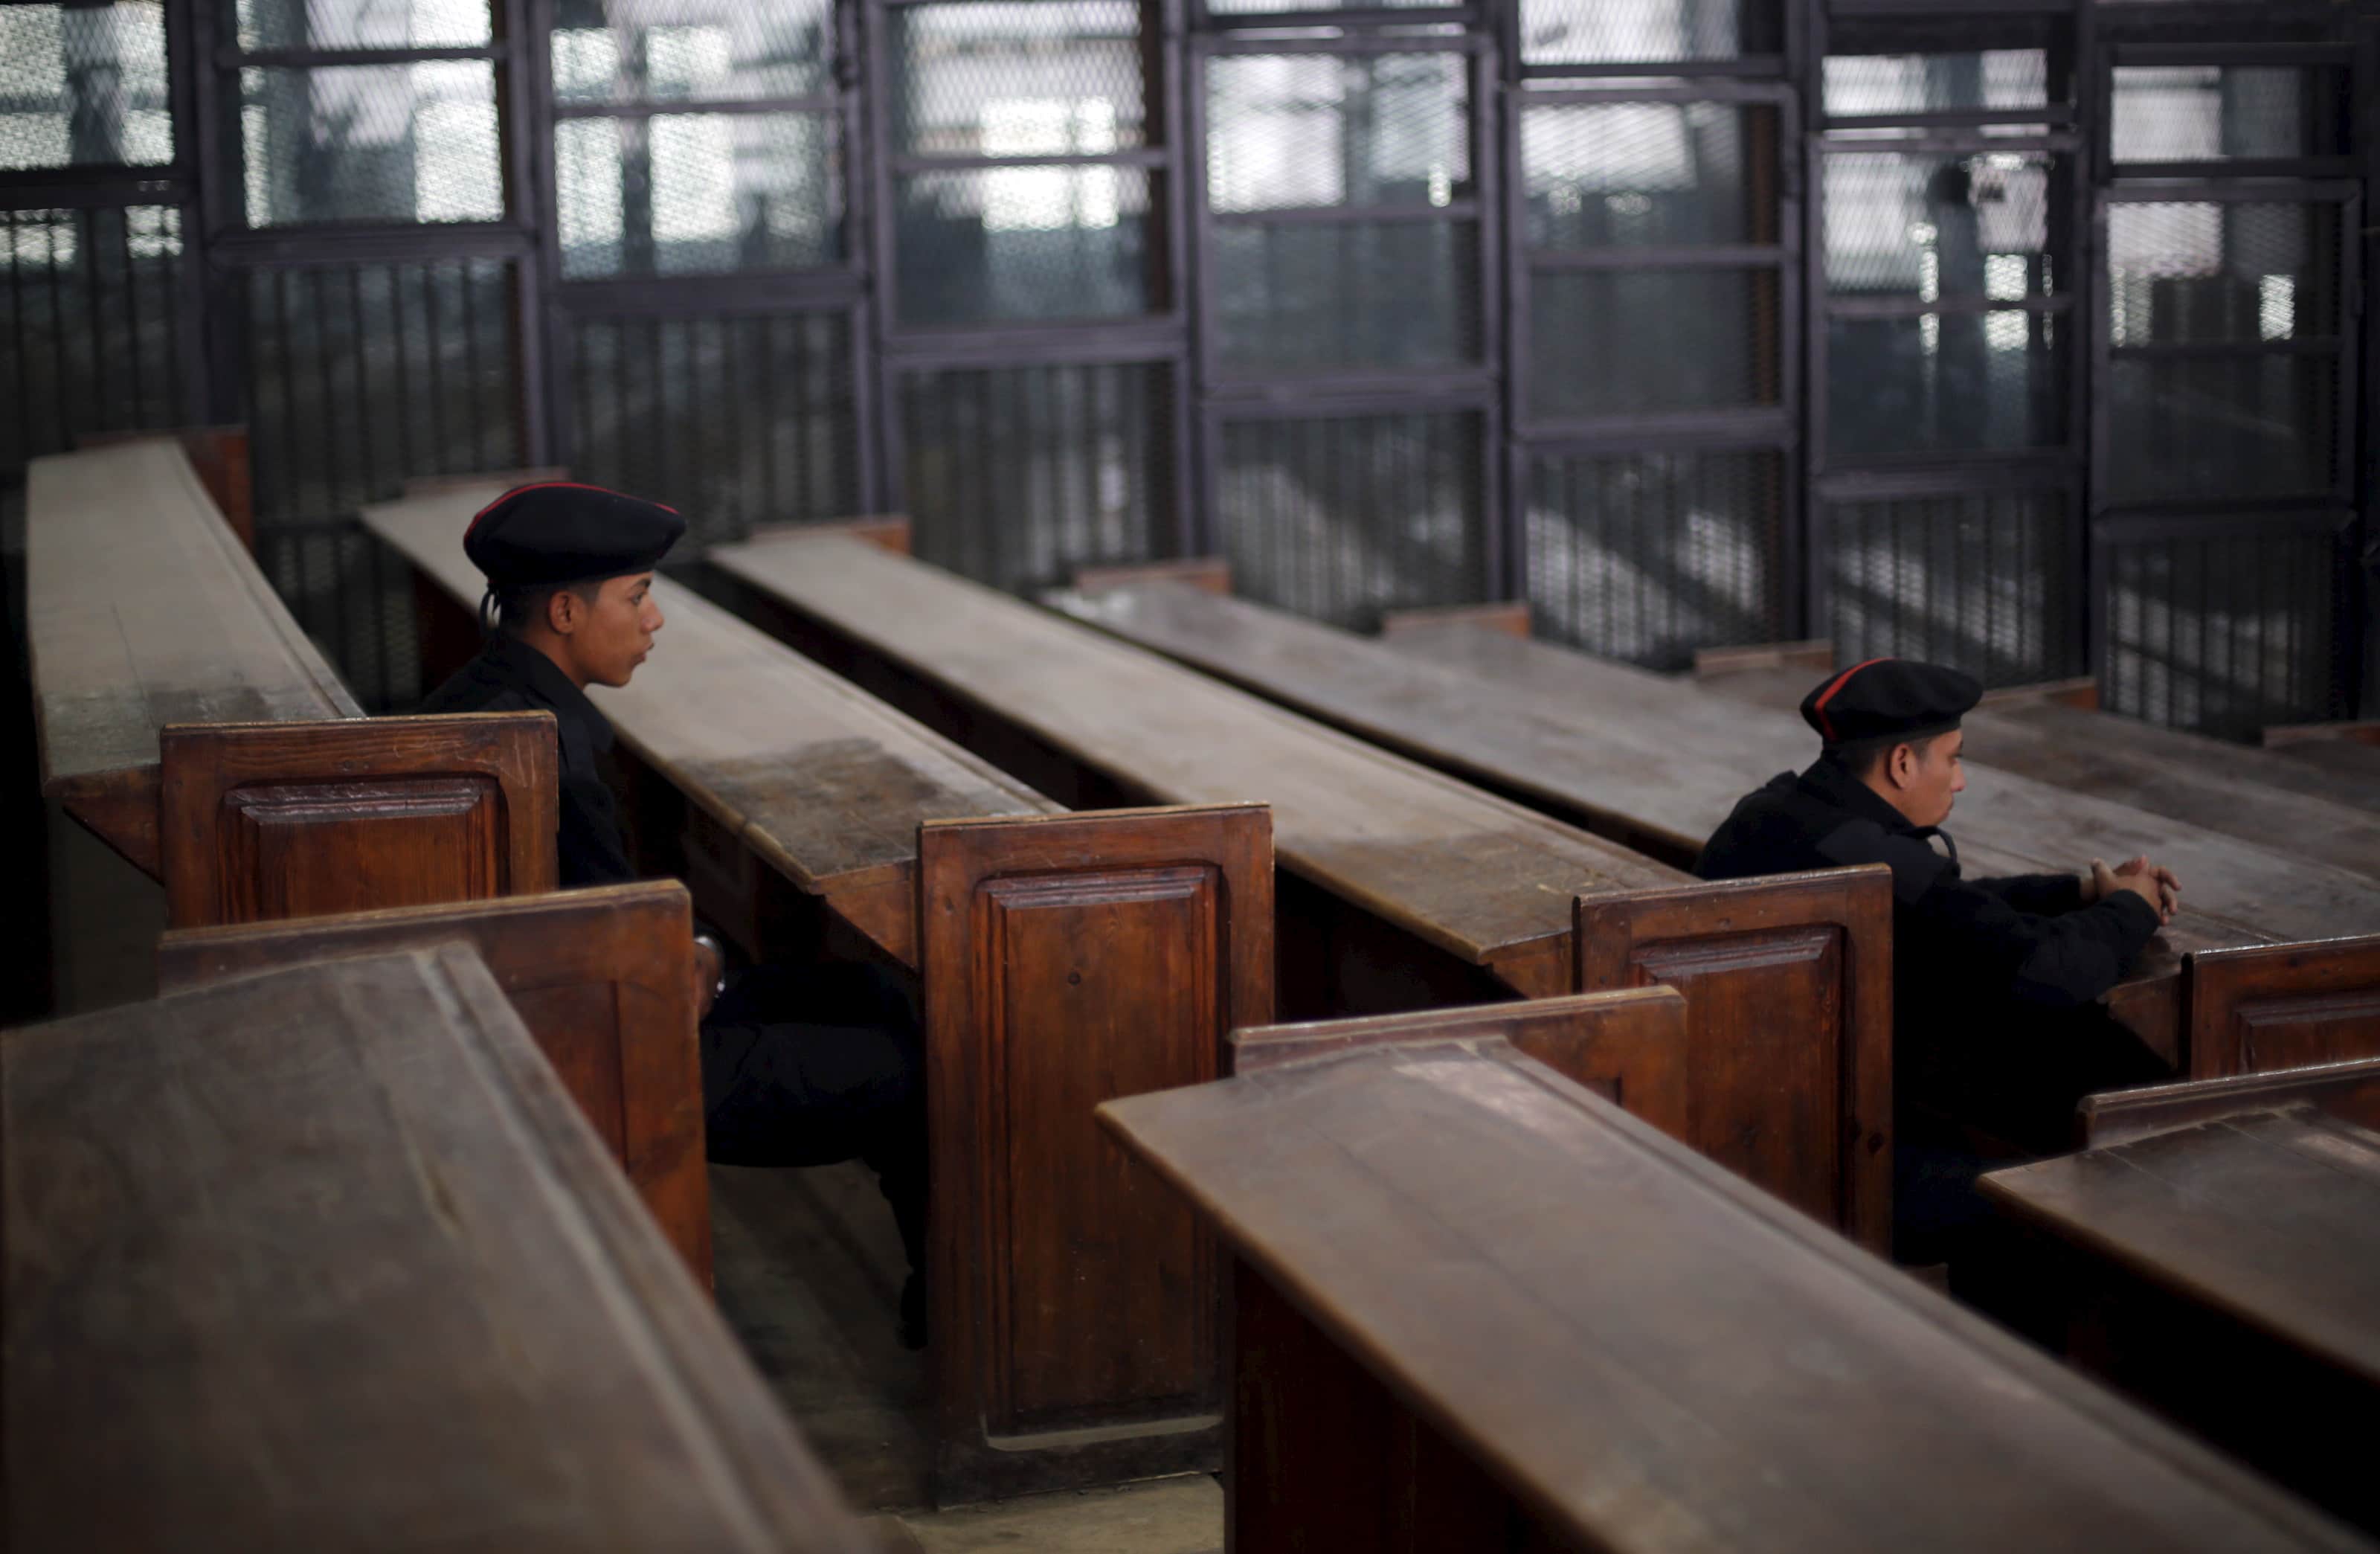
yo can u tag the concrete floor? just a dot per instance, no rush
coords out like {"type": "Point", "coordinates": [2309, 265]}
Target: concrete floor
{"type": "Point", "coordinates": [808, 1270]}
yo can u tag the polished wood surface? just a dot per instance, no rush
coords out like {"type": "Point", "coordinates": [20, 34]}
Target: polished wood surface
{"type": "Point", "coordinates": [1068, 961]}
{"type": "Point", "coordinates": [267, 821]}
{"type": "Point", "coordinates": [2350, 1090]}
{"type": "Point", "coordinates": [2275, 1006]}
{"type": "Point", "coordinates": [819, 781]}
{"type": "Point", "coordinates": [603, 979]}
{"type": "Point", "coordinates": [326, 1258]}
{"type": "Point", "coordinates": [219, 457]}
{"type": "Point", "coordinates": [1477, 877]}
{"type": "Point", "coordinates": [1637, 1350]}
{"type": "Point", "coordinates": [143, 608]}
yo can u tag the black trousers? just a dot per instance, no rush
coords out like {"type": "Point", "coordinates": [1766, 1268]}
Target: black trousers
{"type": "Point", "coordinates": [813, 1066]}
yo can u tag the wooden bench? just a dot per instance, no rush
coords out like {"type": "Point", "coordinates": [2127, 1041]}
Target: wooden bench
{"type": "Point", "coordinates": [2216, 1251]}
{"type": "Point", "coordinates": [1063, 957]}
{"type": "Point", "coordinates": [1660, 764]}
{"type": "Point", "coordinates": [603, 979]}
{"type": "Point", "coordinates": [1477, 1306]}
{"type": "Point", "coordinates": [1401, 887]}
{"type": "Point", "coordinates": [2347, 751]}
{"type": "Point", "coordinates": [326, 1258]}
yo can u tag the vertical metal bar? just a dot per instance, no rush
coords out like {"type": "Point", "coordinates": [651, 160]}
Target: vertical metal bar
{"type": "Point", "coordinates": [437, 358]}
{"type": "Point", "coordinates": [132, 318]}
{"type": "Point", "coordinates": [403, 345]}
{"type": "Point", "coordinates": [469, 272]}
{"type": "Point", "coordinates": [58, 330]}
{"type": "Point", "coordinates": [322, 342]}
{"type": "Point", "coordinates": [87, 245]}
{"type": "Point", "coordinates": [371, 488]}
{"type": "Point", "coordinates": [18, 353]}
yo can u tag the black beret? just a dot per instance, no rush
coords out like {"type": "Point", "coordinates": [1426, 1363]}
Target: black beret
{"type": "Point", "coordinates": [556, 531]}
{"type": "Point", "coordinates": [1889, 698]}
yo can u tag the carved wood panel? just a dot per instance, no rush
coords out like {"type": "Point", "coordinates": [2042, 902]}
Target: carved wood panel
{"type": "Point", "coordinates": [2262, 1007]}
{"type": "Point", "coordinates": [258, 822]}
{"type": "Point", "coordinates": [1069, 960]}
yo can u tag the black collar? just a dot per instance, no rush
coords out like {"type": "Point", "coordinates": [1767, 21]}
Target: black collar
{"type": "Point", "coordinates": [523, 665]}
{"type": "Point", "coordinates": [1832, 782]}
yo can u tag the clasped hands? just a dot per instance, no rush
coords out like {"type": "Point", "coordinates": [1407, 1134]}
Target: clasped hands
{"type": "Point", "coordinates": [2152, 883]}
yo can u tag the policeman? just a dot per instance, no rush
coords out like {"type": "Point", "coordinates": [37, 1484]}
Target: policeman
{"type": "Point", "coordinates": [800, 1067]}
{"type": "Point", "coordinates": [1998, 1027]}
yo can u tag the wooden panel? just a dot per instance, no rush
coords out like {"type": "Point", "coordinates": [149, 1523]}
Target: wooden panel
{"type": "Point", "coordinates": [1068, 961]}
{"type": "Point", "coordinates": [267, 821]}
{"type": "Point", "coordinates": [2274, 1006]}
{"type": "Point", "coordinates": [1511, 619]}
{"type": "Point", "coordinates": [325, 1258]}
{"type": "Point", "coordinates": [219, 457]}
{"type": "Point", "coordinates": [1789, 994]}
{"type": "Point", "coordinates": [1645, 1352]}
{"type": "Point", "coordinates": [143, 608]}
{"type": "Point", "coordinates": [1469, 873]}
{"type": "Point", "coordinates": [2350, 1090]}
{"type": "Point", "coordinates": [603, 979]}
{"type": "Point", "coordinates": [1213, 574]}
{"type": "Point", "coordinates": [1628, 1046]}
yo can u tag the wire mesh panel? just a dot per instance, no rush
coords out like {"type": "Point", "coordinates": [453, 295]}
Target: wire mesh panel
{"type": "Point", "coordinates": [402, 142]}
{"type": "Point", "coordinates": [90, 331]}
{"type": "Point", "coordinates": [1647, 556]}
{"type": "Point", "coordinates": [1980, 81]}
{"type": "Point", "coordinates": [1346, 295]}
{"type": "Point", "coordinates": [1571, 33]}
{"type": "Point", "coordinates": [1937, 226]}
{"type": "Point", "coordinates": [1987, 581]}
{"type": "Point", "coordinates": [2215, 114]}
{"type": "Point", "coordinates": [360, 375]}
{"type": "Point", "coordinates": [698, 194]}
{"type": "Point", "coordinates": [354, 596]}
{"type": "Point", "coordinates": [2224, 319]}
{"type": "Point", "coordinates": [734, 421]}
{"type": "Point", "coordinates": [2223, 631]}
{"type": "Point", "coordinates": [84, 85]}
{"type": "Point", "coordinates": [257, 26]}
{"type": "Point", "coordinates": [1648, 175]}
{"type": "Point", "coordinates": [1617, 342]}
{"type": "Point", "coordinates": [1309, 130]}
{"type": "Point", "coordinates": [1016, 475]}
{"type": "Point", "coordinates": [691, 51]}
{"type": "Point", "coordinates": [1015, 78]}
{"type": "Point", "coordinates": [1946, 384]}
{"type": "Point", "coordinates": [1341, 518]}
{"type": "Point", "coordinates": [1032, 244]}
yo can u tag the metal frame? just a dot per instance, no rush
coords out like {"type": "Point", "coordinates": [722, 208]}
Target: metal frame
{"type": "Point", "coordinates": [2310, 57]}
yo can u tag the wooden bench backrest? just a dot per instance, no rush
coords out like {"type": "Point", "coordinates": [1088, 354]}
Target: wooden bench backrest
{"type": "Point", "coordinates": [2274, 1006]}
{"type": "Point", "coordinates": [1788, 1005]}
{"type": "Point", "coordinates": [2350, 1090]}
{"type": "Point", "coordinates": [605, 981]}
{"type": "Point", "coordinates": [1068, 960]}
{"type": "Point", "coordinates": [267, 821]}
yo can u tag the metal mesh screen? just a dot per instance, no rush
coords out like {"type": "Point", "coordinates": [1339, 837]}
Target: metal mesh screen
{"type": "Point", "coordinates": [1646, 556]}
{"type": "Point", "coordinates": [1341, 517]}
{"type": "Point", "coordinates": [734, 421]}
{"type": "Point", "coordinates": [1567, 32]}
{"type": "Point", "coordinates": [413, 142]}
{"type": "Point", "coordinates": [2254, 425]}
{"type": "Point", "coordinates": [89, 327]}
{"type": "Point", "coordinates": [2222, 633]}
{"type": "Point", "coordinates": [83, 85]}
{"type": "Point", "coordinates": [1311, 297]}
{"type": "Point", "coordinates": [2223, 113]}
{"type": "Point", "coordinates": [1258, 7]}
{"type": "Point", "coordinates": [1628, 342]}
{"type": "Point", "coordinates": [1015, 78]}
{"type": "Point", "coordinates": [691, 51]}
{"type": "Point", "coordinates": [1947, 383]}
{"type": "Point", "coordinates": [1987, 81]}
{"type": "Point", "coordinates": [1934, 227]}
{"type": "Point", "coordinates": [2233, 273]}
{"type": "Point", "coordinates": [1988, 581]}
{"type": "Point", "coordinates": [698, 194]}
{"type": "Point", "coordinates": [1016, 475]}
{"type": "Point", "coordinates": [254, 25]}
{"type": "Point", "coordinates": [360, 375]}
{"type": "Point", "coordinates": [355, 599]}
{"type": "Point", "coordinates": [1285, 131]}
{"type": "Point", "coordinates": [1022, 244]}
{"type": "Point", "coordinates": [1648, 175]}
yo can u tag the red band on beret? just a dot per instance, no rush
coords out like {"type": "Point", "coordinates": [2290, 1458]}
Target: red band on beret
{"type": "Point", "coordinates": [1818, 708]}
{"type": "Point", "coordinates": [554, 485]}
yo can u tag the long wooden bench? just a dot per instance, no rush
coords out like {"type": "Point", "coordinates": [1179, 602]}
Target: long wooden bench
{"type": "Point", "coordinates": [1063, 958]}
{"type": "Point", "coordinates": [2216, 1251]}
{"type": "Point", "coordinates": [1401, 888]}
{"type": "Point", "coordinates": [1477, 1306]}
{"type": "Point", "coordinates": [1660, 762]}
{"type": "Point", "coordinates": [326, 1258]}
{"type": "Point", "coordinates": [603, 979]}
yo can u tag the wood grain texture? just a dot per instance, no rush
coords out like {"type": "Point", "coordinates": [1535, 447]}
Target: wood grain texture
{"type": "Point", "coordinates": [1469, 873]}
{"type": "Point", "coordinates": [268, 821]}
{"type": "Point", "coordinates": [1211, 573]}
{"type": "Point", "coordinates": [2350, 1090]}
{"type": "Point", "coordinates": [2348, 759]}
{"type": "Point", "coordinates": [1512, 618]}
{"type": "Point", "coordinates": [2276, 1006]}
{"type": "Point", "coordinates": [603, 979]}
{"type": "Point", "coordinates": [1641, 1349]}
{"type": "Point", "coordinates": [143, 608]}
{"type": "Point", "coordinates": [819, 781]}
{"type": "Point", "coordinates": [1789, 994]}
{"type": "Point", "coordinates": [326, 1258]}
{"type": "Point", "coordinates": [1067, 961]}
{"type": "Point", "coordinates": [219, 457]}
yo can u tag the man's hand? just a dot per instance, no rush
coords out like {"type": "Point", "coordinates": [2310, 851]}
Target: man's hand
{"type": "Point", "coordinates": [707, 967]}
{"type": "Point", "coordinates": [2152, 883]}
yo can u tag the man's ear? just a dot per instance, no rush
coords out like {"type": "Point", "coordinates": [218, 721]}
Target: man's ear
{"type": "Point", "coordinates": [562, 612]}
{"type": "Point", "coordinates": [1900, 765]}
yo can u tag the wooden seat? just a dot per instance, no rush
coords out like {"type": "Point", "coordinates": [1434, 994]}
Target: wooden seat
{"type": "Point", "coordinates": [326, 1258]}
{"type": "Point", "coordinates": [2282, 1006]}
{"type": "Point", "coordinates": [1478, 1306]}
{"type": "Point", "coordinates": [2216, 1251]}
{"type": "Point", "coordinates": [1064, 959]}
{"type": "Point", "coordinates": [603, 979]}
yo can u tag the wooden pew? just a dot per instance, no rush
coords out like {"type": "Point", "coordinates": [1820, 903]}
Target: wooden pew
{"type": "Point", "coordinates": [326, 1258]}
{"type": "Point", "coordinates": [603, 979]}
{"type": "Point", "coordinates": [1477, 1306]}
{"type": "Point", "coordinates": [1402, 887]}
{"type": "Point", "coordinates": [1063, 958]}
{"type": "Point", "coordinates": [2283, 1006]}
{"type": "Point", "coordinates": [2216, 1251]}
